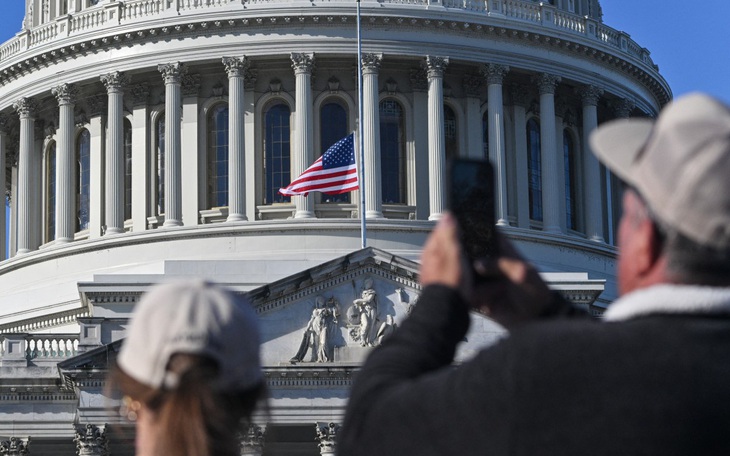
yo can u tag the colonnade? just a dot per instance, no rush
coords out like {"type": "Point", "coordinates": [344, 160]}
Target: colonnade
{"type": "Point", "coordinates": [181, 102]}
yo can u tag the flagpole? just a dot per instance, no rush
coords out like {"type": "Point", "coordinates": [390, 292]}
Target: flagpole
{"type": "Point", "coordinates": [360, 142]}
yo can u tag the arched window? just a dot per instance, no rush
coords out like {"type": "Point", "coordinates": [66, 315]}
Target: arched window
{"type": "Point", "coordinates": [392, 151]}
{"type": "Point", "coordinates": [127, 169]}
{"type": "Point", "coordinates": [534, 170]}
{"type": "Point", "coordinates": [277, 158]}
{"type": "Point", "coordinates": [485, 134]}
{"type": "Point", "coordinates": [218, 156]}
{"type": "Point", "coordinates": [159, 166]}
{"type": "Point", "coordinates": [83, 176]}
{"type": "Point", "coordinates": [450, 133]}
{"type": "Point", "coordinates": [333, 127]}
{"type": "Point", "coordinates": [51, 192]}
{"type": "Point", "coordinates": [571, 176]}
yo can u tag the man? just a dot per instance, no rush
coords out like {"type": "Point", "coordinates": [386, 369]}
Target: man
{"type": "Point", "coordinates": [653, 378]}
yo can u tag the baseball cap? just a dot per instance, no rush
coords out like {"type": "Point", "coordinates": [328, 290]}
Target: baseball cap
{"type": "Point", "coordinates": [679, 163]}
{"type": "Point", "coordinates": [197, 318]}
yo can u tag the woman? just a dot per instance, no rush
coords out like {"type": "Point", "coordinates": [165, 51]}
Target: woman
{"type": "Point", "coordinates": [190, 370]}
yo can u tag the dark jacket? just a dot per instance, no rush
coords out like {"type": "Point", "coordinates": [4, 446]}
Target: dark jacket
{"type": "Point", "coordinates": [656, 384]}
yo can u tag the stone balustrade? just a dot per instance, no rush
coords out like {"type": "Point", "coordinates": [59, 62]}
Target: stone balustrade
{"type": "Point", "coordinates": [19, 349]}
{"type": "Point", "coordinates": [123, 13]}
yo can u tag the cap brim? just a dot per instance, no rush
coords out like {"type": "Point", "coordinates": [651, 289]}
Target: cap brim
{"type": "Point", "coordinates": [618, 143]}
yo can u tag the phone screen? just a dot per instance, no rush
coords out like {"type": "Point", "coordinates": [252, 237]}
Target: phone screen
{"type": "Point", "coordinates": [471, 200]}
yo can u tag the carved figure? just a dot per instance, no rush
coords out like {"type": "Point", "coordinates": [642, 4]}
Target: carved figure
{"type": "Point", "coordinates": [367, 307]}
{"type": "Point", "coordinates": [319, 331]}
{"type": "Point", "coordinates": [385, 330]}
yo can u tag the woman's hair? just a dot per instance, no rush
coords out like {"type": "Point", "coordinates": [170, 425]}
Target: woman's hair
{"type": "Point", "coordinates": [194, 419]}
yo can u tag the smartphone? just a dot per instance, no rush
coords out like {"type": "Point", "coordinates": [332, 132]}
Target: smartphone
{"type": "Point", "coordinates": [471, 199]}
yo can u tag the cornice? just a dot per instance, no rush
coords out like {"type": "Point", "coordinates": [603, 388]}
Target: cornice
{"type": "Point", "coordinates": [639, 67]}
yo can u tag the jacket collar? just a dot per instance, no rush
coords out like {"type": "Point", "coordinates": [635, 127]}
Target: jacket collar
{"type": "Point", "coordinates": [670, 299]}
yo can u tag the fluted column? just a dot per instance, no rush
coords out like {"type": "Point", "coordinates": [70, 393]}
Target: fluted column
{"type": "Point", "coordinates": [236, 68]}
{"type": "Point", "coordinates": [436, 136]}
{"type": "Point", "coordinates": [371, 135]}
{"type": "Point", "coordinates": [26, 195]}
{"type": "Point", "coordinates": [3, 184]}
{"type": "Point", "coordinates": [550, 160]}
{"type": "Point", "coordinates": [495, 76]}
{"type": "Point", "coordinates": [327, 436]}
{"type": "Point", "coordinates": [172, 74]}
{"type": "Point", "coordinates": [591, 168]}
{"type": "Point", "coordinates": [114, 200]}
{"type": "Point", "coordinates": [65, 161]}
{"type": "Point", "coordinates": [252, 442]}
{"type": "Point", "coordinates": [303, 154]}
{"type": "Point", "coordinates": [15, 447]}
{"type": "Point", "coordinates": [91, 440]}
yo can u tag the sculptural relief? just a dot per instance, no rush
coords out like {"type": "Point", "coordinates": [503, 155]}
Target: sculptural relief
{"type": "Point", "coordinates": [364, 310]}
{"type": "Point", "coordinates": [319, 332]}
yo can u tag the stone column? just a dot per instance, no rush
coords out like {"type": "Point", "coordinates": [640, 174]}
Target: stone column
{"type": "Point", "coordinates": [435, 67]}
{"type": "Point", "coordinates": [172, 74]}
{"type": "Point", "coordinates": [419, 86]}
{"type": "Point", "coordinates": [91, 440]}
{"type": "Point", "coordinates": [495, 76]}
{"type": "Point", "coordinates": [303, 143]}
{"type": "Point", "coordinates": [236, 68]}
{"type": "Point", "coordinates": [140, 152]}
{"type": "Point", "coordinates": [371, 135]}
{"type": "Point", "coordinates": [327, 436]}
{"type": "Point", "coordinates": [593, 204]}
{"type": "Point", "coordinates": [65, 162]}
{"type": "Point", "coordinates": [472, 85]}
{"type": "Point", "coordinates": [26, 195]}
{"type": "Point", "coordinates": [550, 159]}
{"type": "Point", "coordinates": [249, 126]}
{"type": "Point", "coordinates": [15, 447]}
{"type": "Point", "coordinates": [97, 105]}
{"type": "Point", "coordinates": [114, 200]}
{"type": "Point", "coordinates": [252, 442]}
{"type": "Point", "coordinates": [3, 184]}
{"type": "Point", "coordinates": [519, 99]}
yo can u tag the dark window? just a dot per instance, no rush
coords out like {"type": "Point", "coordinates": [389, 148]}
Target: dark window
{"type": "Point", "coordinates": [392, 152]}
{"type": "Point", "coordinates": [51, 192]}
{"type": "Point", "coordinates": [218, 156]}
{"type": "Point", "coordinates": [127, 170]}
{"type": "Point", "coordinates": [277, 159]}
{"type": "Point", "coordinates": [333, 127]}
{"type": "Point", "coordinates": [570, 163]}
{"type": "Point", "coordinates": [83, 156]}
{"type": "Point", "coordinates": [450, 133]}
{"type": "Point", "coordinates": [534, 170]}
{"type": "Point", "coordinates": [160, 166]}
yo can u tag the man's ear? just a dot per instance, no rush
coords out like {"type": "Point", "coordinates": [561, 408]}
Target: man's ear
{"type": "Point", "coordinates": [648, 245]}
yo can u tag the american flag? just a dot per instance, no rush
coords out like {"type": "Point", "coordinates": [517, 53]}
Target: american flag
{"type": "Point", "coordinates": [334, 172]}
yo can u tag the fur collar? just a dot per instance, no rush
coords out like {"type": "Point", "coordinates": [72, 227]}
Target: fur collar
{"type": "Point", "coordinates": [670, 299]}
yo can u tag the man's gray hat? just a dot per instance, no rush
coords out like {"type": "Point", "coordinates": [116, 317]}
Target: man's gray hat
{"type": "Point", "coordinates": [679, 163]}
{"type": "Point", "coordinates": [196, 318]}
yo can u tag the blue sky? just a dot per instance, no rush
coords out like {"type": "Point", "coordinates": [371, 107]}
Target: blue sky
{"type": "Point", "coordinates": [688, 40]}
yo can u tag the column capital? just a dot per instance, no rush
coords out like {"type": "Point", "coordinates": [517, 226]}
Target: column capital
{"type": "Point", "coordinates": [236, 66]}
{"type": "Point", "coordinates": [25, 107]}
{"type": "Point", "coordinates": [623, 107]}
{"type": "Point", "coordinates": [252, 441]}
{"type": "Point", "coordinates": [114, 81]}
{"type": "Point", "coordinates": [173, 72]}
{"type": "Point", "coordinates": [494, 73]}
{"type": "Point", "coordinates": [302, 62]}
{"type": "Point", "coordinates": [472, 85]}
{"type": "Point", "coordinates": [91, 440]}
{"type": "Point", "coordinates": [589, 94]}
{"type": "Point", "coordinates": [327, 436]}
{"type": "Point", "coordinates": [547, 83]}
{"type": "Point", "coordinates": [435, 66]}
{"type": "Point", "coordinates": [371, 62]}
{"type": "Point", "coordinates": [65, 94]}
{"type": "Point", "coordinates": [140, 93]}
{"type": "Point", "coordinates": [14, 446]}
{"type": "Point", "coordinates": [190, 84]}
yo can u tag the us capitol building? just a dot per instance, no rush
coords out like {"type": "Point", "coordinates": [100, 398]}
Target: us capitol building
{"type": "Point", "coordinates": [145, 141]}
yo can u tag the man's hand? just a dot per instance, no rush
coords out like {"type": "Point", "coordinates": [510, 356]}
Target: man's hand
{"type": "Point", "coordinates": [508, 289]}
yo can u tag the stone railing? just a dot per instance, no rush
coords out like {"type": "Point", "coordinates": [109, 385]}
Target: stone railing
{"type": "Point", "coordinates": [19, 349]}
{"type": "Point", "coordinates": [123, 12]}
